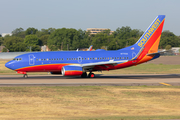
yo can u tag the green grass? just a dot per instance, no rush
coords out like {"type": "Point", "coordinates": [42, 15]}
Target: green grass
{"type": "Point", "coordinates": [90, 102]}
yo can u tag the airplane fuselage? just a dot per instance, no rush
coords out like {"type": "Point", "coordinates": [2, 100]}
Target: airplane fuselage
{"type": "Point", "coordinates": [54, 61]}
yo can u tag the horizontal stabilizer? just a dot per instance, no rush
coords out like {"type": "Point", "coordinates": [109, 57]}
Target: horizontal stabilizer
{"type": "Point", "coordinates": [157, 53]}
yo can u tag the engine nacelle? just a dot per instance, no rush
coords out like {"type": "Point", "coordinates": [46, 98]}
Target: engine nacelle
{"type": "Point", "coordinates": [72, 70]}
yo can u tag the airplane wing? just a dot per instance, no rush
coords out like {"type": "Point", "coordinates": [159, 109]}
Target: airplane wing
{"type": "Point", "coordinates": [105, 63]}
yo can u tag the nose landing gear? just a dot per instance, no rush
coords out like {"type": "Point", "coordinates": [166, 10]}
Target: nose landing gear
{"type": "Point", "coordinates": [25, 76]}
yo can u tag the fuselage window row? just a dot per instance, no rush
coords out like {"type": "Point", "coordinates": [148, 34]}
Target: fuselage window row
{"type": "Point", "coordinates": [54, 59]}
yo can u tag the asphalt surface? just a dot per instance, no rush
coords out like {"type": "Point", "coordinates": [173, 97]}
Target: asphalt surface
{"type": "Point", "coordinates": [100, 80]}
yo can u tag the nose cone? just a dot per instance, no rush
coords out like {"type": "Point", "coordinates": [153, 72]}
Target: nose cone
{"type": "Point", "coordinates": [9, 65]}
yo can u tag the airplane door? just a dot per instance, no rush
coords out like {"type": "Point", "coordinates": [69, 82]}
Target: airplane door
{"type": "Point", "coordinates": [134, 55]}
{"type": "Point", "coordinates": [31, 59]}
{"type": "Point", "coordinates": [79, 59]}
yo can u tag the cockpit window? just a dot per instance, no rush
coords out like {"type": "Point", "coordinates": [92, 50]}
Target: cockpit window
{"type": "Point", "coordinates": [17, 59]}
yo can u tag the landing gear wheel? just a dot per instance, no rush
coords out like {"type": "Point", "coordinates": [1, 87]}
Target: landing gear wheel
{"type": "Point", "coordinates": [91, 75]}
{"type": "Point", "coordinates": [84, 75]}
{"type": "Point", "coordinates": [25, 76]}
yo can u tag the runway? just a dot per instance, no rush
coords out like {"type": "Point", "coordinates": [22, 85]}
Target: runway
{"type": "Point", "coordinates": [100, 80]}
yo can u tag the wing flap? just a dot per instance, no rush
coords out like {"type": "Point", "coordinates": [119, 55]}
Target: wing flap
{"type": "Point", "coordinates": [90, 66]}
{"type": "Point", "coordinates": [103, 63]}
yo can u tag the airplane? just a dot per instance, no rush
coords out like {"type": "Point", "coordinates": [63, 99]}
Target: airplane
{"type": "Point", "coordinates": [90, 48]}
{"type": "Point", "coordinates": [78, 63]}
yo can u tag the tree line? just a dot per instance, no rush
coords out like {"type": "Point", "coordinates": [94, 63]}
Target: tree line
{"type": "Point", "coordinates": [71, 39]}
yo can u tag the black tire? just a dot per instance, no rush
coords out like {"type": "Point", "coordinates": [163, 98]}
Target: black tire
{"type": "Point", "coordinates": [25, 76]}
{"type": "Point", "coordinates": [84, 75]}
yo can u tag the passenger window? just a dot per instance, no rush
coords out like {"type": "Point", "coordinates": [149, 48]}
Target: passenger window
{"type": "Point", "coordinates": [36, 59]}
{"type": "Point", "coordinates": [44, 59]}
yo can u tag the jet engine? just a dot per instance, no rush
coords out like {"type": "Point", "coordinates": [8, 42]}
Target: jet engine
{"type": "Point", "coordinates": [71, 70]}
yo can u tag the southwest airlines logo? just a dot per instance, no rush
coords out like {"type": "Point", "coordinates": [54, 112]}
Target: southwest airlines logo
{"type": "Point", "coordinates": [149, 33]}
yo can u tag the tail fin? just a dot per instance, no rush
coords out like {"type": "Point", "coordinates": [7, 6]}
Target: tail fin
{"type": "Point", "coordinates": [149, 41]}
{"type": "Point", "coordinates": [90, 48]}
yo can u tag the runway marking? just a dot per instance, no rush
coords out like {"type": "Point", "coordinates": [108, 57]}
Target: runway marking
{"type": "Point", "coordinates": [166, 84]}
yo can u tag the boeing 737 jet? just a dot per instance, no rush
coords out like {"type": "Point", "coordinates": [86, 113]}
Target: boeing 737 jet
{"type": "Point", "coordinates": [78, 63]}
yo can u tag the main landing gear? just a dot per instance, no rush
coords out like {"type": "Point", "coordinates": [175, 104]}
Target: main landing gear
{"type": "Point", "coordinates": [84, 75]}
{"type": "Point", "coordinates": [90, 75]}
{"type": "Point", "coordinates": [25, 76]}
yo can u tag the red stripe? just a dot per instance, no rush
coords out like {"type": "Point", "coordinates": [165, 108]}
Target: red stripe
{"type": "Point", "coordinates": [43, 68]}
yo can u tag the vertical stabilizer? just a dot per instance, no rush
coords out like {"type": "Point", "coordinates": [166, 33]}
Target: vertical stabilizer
{"type": "Point", "coordinates": [149, 41]}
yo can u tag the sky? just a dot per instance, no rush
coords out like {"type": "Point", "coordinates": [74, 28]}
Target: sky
{"type": "Point", "coordinates": [83, 14]}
